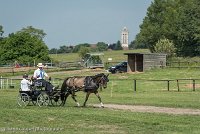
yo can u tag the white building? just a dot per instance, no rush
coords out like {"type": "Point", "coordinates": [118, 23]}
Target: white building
{"type": "Point", "coordinates": [124, 38]}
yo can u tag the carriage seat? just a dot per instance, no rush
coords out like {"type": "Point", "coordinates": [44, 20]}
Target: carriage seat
{"type": "Point", "coordinates": [38, 84]}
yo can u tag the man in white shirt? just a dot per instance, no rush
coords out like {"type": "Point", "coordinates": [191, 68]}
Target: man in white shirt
{"type": "Point", "coordinates": [25, 84]}
{"type": "Point", "coordinates": [40, 74]}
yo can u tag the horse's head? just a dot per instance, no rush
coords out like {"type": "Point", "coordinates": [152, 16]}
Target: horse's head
{"type": "Point", "coordinates": [102, 80]}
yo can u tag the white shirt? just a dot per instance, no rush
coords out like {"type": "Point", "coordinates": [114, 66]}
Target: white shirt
{"type": "Point", "coordinates": [40, 74]}
{"type": "Point", "coordinates": [25, 85]}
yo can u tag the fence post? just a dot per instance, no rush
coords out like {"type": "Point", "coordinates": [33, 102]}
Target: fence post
{"type": "Point", "coordinates": [1, 83]}
{"type": "Point", "coordinates": [7, 83]}
{"type": "Point", "coordinates": [178, 85]}
{"type": "Point", "coordinates": [134, 85]}
{"type": "Point", "coordinates": [168, 85]}
{"type": "Point", "coordinates": [193, 84]}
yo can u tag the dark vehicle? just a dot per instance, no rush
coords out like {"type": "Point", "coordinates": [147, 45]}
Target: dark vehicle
{"type": "Point", "coordinates": [119, 68]}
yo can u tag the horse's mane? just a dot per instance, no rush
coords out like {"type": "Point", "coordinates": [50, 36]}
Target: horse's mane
{"type": "Point", "coordinates": [98, 75]}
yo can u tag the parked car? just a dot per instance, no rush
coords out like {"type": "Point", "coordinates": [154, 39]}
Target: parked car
{"type": "Point", "coordinates": [119, 68]}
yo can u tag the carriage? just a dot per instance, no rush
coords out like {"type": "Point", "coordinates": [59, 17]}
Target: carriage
{"type": "Point", "coordinates": [38, 96]}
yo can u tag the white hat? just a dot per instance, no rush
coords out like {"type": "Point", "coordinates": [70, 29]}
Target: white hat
{"type": "Point", "coordinates": [40, 65]}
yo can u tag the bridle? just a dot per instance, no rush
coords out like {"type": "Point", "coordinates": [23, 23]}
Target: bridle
{"type": "Point", "coordinates": [103, 81]}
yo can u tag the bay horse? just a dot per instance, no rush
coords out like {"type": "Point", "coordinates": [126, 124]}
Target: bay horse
{"type": "Point", "coordinates": [88, 84]}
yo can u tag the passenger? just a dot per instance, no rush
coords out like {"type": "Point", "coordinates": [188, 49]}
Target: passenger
{"type": "Point", "coordinates": [40, 75]}
{"type": "Point", "coordinates": [25, 83]}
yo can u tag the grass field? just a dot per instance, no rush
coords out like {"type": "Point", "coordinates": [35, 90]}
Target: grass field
{"type": "Point", "coordinates": [71, 119]}
{"type": "Point", "coordinates": [116, 56]}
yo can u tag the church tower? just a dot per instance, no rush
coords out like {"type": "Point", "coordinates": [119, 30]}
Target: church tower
{"type": "Point", "coordinates": [124, 38]}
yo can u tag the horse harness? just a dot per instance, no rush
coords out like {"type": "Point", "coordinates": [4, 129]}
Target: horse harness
{"type": "Point", "coordinates": [90, 84]}
{"type": "Point", "coordinates": [72, 80]}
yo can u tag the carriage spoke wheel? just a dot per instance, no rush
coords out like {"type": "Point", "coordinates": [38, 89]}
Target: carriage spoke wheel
{"type": "Point", "coordinates": [43, 100]}
{"type": "Point", "coordinates": [23, 99]}
{"type": "Point", "coordinates": [56, 101]}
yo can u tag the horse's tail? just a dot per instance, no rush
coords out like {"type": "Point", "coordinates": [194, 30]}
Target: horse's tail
{"type": "Point", "coordinates": [63, 90]}
{"type": "Point", "coordinates": [64, 86]}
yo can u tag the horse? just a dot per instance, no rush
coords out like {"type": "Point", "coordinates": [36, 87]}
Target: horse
{"type": "Point", "coordinates": [88, 84]}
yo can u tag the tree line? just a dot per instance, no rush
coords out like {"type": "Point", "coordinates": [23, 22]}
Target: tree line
{"type": "Point", "coordinates": [177, 21]}
{"type": "Point", "coordinates": [170, 26]}
{"type": "Point", "coordinates": [27, 46]}
{"type": "Point", "coordinates": [98, 47]}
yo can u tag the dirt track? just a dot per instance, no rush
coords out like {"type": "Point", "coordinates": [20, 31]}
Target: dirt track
{"type": "Point", "coordinates": [153, 109]}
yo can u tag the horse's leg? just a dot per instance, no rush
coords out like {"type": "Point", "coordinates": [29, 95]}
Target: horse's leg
{"type": "Point", "coordinates": [73, 97]}
{"type": "Point", "coordinates": [86, 98]}
{"type": "Point", "coordinates": [65, 98]}
{"type": "Point", "coordinates": [97, 94]}
{"type": "Point", "coordinates": [62, 97]}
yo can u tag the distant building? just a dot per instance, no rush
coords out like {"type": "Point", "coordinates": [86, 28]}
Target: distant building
{"type": "Point", "coordinates": [124, 38]}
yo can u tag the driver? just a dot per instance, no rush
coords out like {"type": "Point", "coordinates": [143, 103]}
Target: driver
{"type": "Point", "coordinates": [40, 75]}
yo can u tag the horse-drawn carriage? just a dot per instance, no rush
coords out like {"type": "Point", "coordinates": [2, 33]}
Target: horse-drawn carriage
{"type": "Point", "coordinates": [39, 96]}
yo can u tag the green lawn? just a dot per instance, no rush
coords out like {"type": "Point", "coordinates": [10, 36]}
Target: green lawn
{"type": "Point", "coordinates": [71, 119]}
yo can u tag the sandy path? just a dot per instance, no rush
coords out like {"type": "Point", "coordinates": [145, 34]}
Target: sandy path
{"type": "Point", "coordinates": [153, 109]}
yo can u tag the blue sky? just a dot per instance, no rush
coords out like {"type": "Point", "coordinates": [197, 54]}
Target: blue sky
{"type": "Point", "coordinates": [71, 22]}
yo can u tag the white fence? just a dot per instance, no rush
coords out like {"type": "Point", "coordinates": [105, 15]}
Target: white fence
{"type": "Point", "coordinates": [11, 83]}
{"type": "Point", "coordinates": [6, 83]}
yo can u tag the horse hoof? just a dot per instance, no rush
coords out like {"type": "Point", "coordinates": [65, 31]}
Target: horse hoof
{"type": "Point", "coordinates": [78, 105]}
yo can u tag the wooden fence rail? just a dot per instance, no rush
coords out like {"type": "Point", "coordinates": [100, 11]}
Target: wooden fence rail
{"type": "Point", "coordinates": [183, 64]}
{"type": "Point", "coordinates": [6, 83]}
{"type": "Point", "coordinates": [193, 81]}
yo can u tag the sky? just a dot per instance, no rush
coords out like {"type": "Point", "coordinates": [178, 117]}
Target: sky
{"type": "Point", "coordinates": [72, 22]}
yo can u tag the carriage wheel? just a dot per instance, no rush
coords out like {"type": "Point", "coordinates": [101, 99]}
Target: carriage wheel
{"type": "Point", "coordinates": [56, 101]}
{"type": "Point", "coordinates": [23, 99]}
{"type": "Point", "coordinates": [43, 99]}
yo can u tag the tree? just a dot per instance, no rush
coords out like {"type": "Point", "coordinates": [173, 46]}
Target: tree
{"type": "Point", "coordinates": [23, 47]}
{"type": "Point", "coordinates": [118, 46]}
{"type": "Point", "coordinates": [40, 34]}
{"type": "Point", "coordinates": [53, 51]}
{"type": "Point", "coordinates": [83, 51]}
{"type": "Point", "coordinates": [111, 46]}
{"type": "Point", "coordinates": [132, 45]}
{"type": "Point", "coordinates": [188, 26]}
{"type": "Point", "coordinates": [1, 30]}
{"type": "Point", "coordinates": [152, 28]}
{"type": "Point", "coordinates": [101, 46]}
{"type": "Point", "coordinates": [176, 20]}
{"type": "Point", "coordinates": [77, 47]}
{"type": "Point", "coordinates": [65, 49]}
{"type": "Point", "coordinates": [165, 46]}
